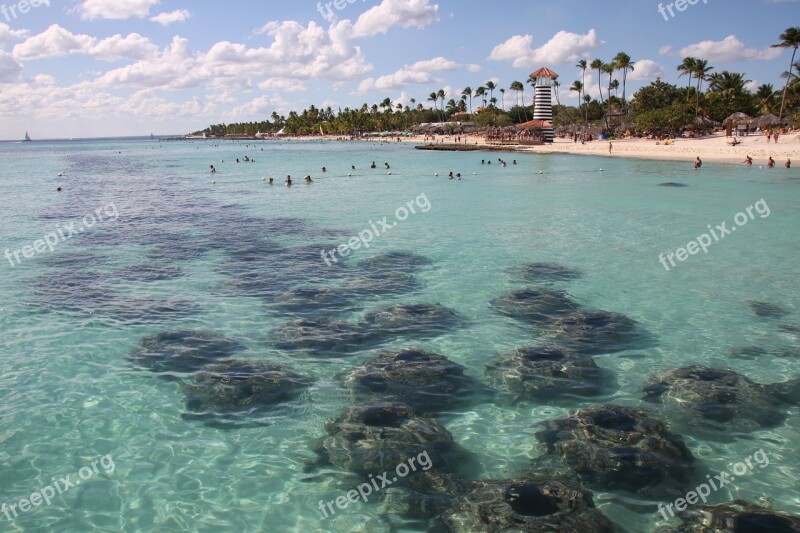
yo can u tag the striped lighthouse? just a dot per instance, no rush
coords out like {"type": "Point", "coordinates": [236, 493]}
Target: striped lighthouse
{"type": "Point", "coordinates": [544, 80]}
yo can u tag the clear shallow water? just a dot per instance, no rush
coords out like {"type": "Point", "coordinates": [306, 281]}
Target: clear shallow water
{"type": "Point", "coordinates": [70, 319]}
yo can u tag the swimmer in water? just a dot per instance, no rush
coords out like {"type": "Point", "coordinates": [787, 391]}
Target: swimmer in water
{"type": "Point", "coordinates": [288, 181]}
{"type": "Point", "coordinates": [270, 180]}
{"type": "Point", "coordinates": [748, 160]}
{"type": "Point", "coordinates": [387, 166]}
{"type": "Point", "coordinates": [372, 165]}
{"type": "Point", "coordinates": [309, 180]}
{"type": "Point", "coordinates": [324, 169]}
{"type": "Point", "coordinates": [213, 170]}
{"type": "Point", "coordinates": [770, 162]}
{"type": "Point", "coordinates": [698, 163]}
{"type": "Point", "coordinates": [788, 163]}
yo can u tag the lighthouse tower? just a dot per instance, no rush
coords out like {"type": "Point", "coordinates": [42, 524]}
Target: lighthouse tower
{"type": "Point", "coordinates": [544, 81]}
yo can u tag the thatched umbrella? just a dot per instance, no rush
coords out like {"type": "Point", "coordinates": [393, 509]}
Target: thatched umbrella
{"type": "Point", "coordinates": [766, 121]}
{"type": "Point", "coordinates": [740, 118]}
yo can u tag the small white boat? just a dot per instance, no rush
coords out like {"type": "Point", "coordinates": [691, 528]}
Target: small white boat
{"type": "Point", "coordinates": [27, 137]}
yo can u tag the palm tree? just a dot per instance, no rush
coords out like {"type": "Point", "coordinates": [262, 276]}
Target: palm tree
{"type": "Point", "coordinates": [433, 97]}
{"type": "Point", "coordinates": [518, 88]}
{"type": "Point", "coordinates": [491, 87]}
{"type": "Point", "coordinates": [766, 98]}
{"type": "Point", "coordinates": [622, 61]}
{"type": "Point", "coordinates": [452, 106]}
{"type": "Point", "coordinates": [701, 70]}
{"type": "Point", "coordinates": [789, 39]}
{"type": "Point", "coordinates": [503, 98]}
{"type": "Point", "coordinates": [615, 86]}
{"type": "Point", "coordinates": [578, 88]}
{"type": "Point", "coordinates": [467, 93]}
{"type": "Point", "coordinates": [441, 94]}
{"type": "Point", "coordinates": [583, 65]}
{"type": "Point", "coordinates": [598, 65]}
{"type": "Point", "coordinates": [556, 86]}
{"type": "Point", "coordinates": [687, 68]}
{"type": "Point", "coordinates": [480, 92]}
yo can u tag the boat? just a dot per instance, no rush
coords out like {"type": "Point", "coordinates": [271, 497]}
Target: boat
{"type": "Point", "coordinates": [27, 137]}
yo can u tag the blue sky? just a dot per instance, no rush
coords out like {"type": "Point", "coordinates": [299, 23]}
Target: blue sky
{"type": "Point", "coordinates": [79, 68]}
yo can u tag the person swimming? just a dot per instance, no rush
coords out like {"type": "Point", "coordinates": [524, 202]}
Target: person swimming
{"type": "Point", "coordinates": [288, 181]}
{"type": "Point", "coordinates": [770, 162]}
{"type": "Point", "coordinates": [450, 175]}
{"type": "Point", "coordinates": [387, 165]}
{"type": "Point", "coordinates": [373, 165]}
{"type": "Point", "coordinates": [270, 180]}
{"type": "Point", "coordinates": [324, 169]}
{"type": "Point", "coordinates": [748, 160]}
{"type": "Point", "coordinates": [309, 180]}
{"type": "Point", "coordinates": [213, 170]}
{"type": "Point", "coordinates": [352, 167]}
{"type": "Point", "coordinates": [788, 163]}
{"type": "Point", "coordinates": [698, 163]}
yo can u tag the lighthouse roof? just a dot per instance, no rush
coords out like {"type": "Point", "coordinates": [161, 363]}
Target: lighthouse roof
{"type": "Point", "coordinates": [544, 71]}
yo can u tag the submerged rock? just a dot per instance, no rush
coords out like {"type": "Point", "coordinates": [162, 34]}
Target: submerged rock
{"type": "Point", "coordinates": [534, 305]}
{"type": "Point", "coordinates": [413, 319]}
{"type": "Point", "coordinates": [672, 184]}
{"type": "Point", "coordinates": [311, 300]}
{"type": "Point", "coordinates": [595, 332]}
{"type": "Point", "coordinates": [752, 352]}
{"type": "Point", "coordinates": [375, 438]}
{"type": "Point", "coordinates": [613, 447]}
{"type": "Point", "coordinates": [321, 335]}
{"type": "Point", "coordinates": [544, 373]}
{"type": "Point", "coordinates": [149, 310]}
{"type": "Point", "coordinates": [427, 382]}
{"type": "Point", "coordinates": [523, 505]}
{"type": "Point", "coordinates": [405, 262]}
{"type": "Point", "coordinates": [736, 517]}
{"type": "Point", "coordinates": [544, 272]}
{"type": "Point", "coordinates": [241, 388]}
{"type": "Point", "coordinates": [147, 272]}
{"type": "Point", "coordinates": [183, 351]}
{"type": "Point", "coordinates": [719, 398]}
{"type": "Point", "coordinates": [767, 310]}
{"type": "Point", "coordinates": [371, 284]}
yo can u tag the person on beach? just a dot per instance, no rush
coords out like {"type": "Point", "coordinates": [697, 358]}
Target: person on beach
{"type": "Point", "coordinates": [748, 161]}
{"type": "Point", "coordinates": [698, 163]}
{"type": "Point", "coordinates": [288, 181]}
{"type": "Point", "coordinates": [610, 146]}
{"type": "Point", "coordinates": [770, 162]}
{"type": "Point", "coordinates": [776, 137]}
{"type": "Point", "coordinates": [213, 170]}
{"type": "Point", "coordinates": [788, 163]}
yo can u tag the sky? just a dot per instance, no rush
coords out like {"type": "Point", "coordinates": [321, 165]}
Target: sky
{"type": "Point", "coordinates": [92, 68]}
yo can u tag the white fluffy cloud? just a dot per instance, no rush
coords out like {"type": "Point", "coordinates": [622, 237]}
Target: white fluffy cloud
{"type": "Point", "coordinates": [56, 41]}
{"type": "Point", "coordinates": [562, 47]}
{"type": "Point", "coordinates": [165, 19]}
{"type": "Point", "coordinates": [115, 9]}
{"type": "Point", "coordinates": [10, 68]}
{"type": "Point", "coordinates": [418, 73]}
{"type": "Point", "coordinates": [730, 49]}
{"type": "Point", "coordinates": [646, 70]}
{"type": "Point", "coordinates": [7, 34]}
{"type": "Point", "coordinates": [391, 13]}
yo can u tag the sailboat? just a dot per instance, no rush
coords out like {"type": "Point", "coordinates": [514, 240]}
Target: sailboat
{"type": "Point", "coordinates": [27, 137]}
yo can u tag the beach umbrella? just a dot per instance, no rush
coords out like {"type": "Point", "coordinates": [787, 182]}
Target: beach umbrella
{"type": "Point", "coordinates": [739, 118]}
{"type": "Point", "coordinates": [766, 121]}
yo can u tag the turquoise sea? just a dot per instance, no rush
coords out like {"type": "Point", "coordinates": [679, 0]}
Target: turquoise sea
{"type": "Point", "coordinates": [175, 251]}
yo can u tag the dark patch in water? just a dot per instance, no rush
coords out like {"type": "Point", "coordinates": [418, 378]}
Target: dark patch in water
{"type": "Point", "coordinates": [596, 332]}
{"type": "Point", "coordinates": [612, 447]}
{"type": "Point", "coordinates": [311, 300]}
{"type": "Point", "coordinates": [543, 372]}
{"type": "Point", "coordinates": [544, 272]}
{"type": "Point", "coordinates": [767, 310]}
{"type": "Point", "coordinates": [183, 351]}
{"type": "Point", "coordinates": [523, 505]}
{"type": "Point", "coordinates": [534, 305]}
{"type": "Point", "coordinates": [672, 184]}
{"type": "Point", "coordinates": [147, 272]}
{"type": "Point", "coordinates": [738, 516]}
{"type": "Point", "coordinates": [233, 391]}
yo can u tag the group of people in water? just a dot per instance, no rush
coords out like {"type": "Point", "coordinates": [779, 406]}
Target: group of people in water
{"type": "Point", "coordinates": [770, 162]}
